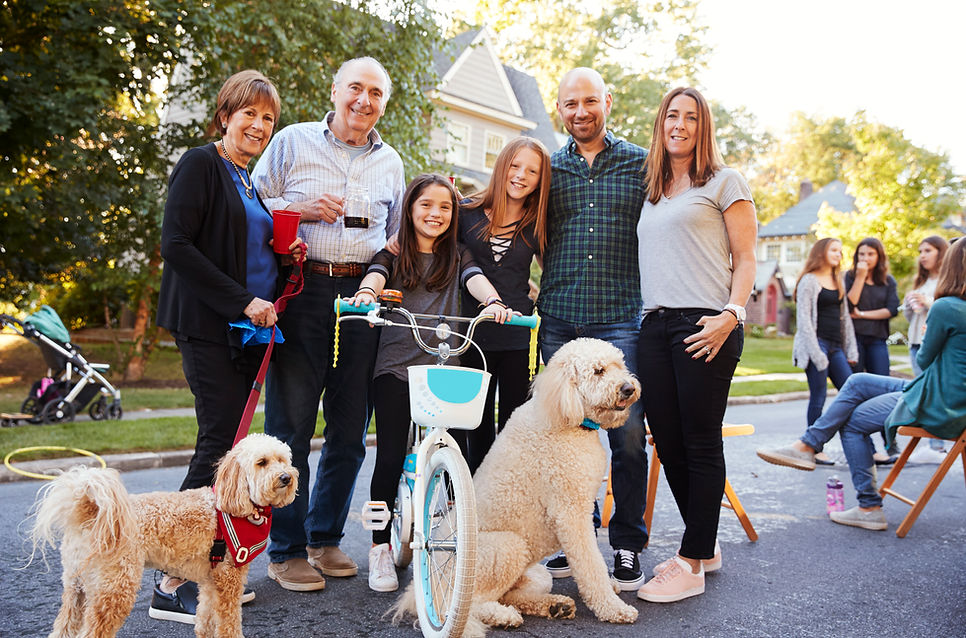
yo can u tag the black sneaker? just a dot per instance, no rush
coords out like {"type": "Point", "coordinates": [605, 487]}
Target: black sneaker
{"type": "Point", "coordinates": [179, 606]}
{"type": "Point", "coordinates": [627, 570]}
{"type": "Point", "coordinates": [558, 566]}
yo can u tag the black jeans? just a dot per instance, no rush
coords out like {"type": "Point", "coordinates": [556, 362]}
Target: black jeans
{"type": "Point", "coordinates": [512, 376]}
{"type": "Point", "coordinates": [685, 401]}
{"type": "Point", "coordinates": [392, 434]}
{"type": "Point", "coordinates": [221, 388]}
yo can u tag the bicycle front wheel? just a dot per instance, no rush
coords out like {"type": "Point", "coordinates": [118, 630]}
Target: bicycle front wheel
{"type": "Point", "coordinates": [445, 568]}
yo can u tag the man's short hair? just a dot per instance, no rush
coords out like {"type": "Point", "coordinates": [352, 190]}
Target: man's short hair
{"type": "Point", "coordinates": [339, 73]}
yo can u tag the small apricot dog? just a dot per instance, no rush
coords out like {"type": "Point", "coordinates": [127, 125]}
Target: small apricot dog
{"type": "Point", "coordinates": [535, 493]}
{"type": "Point", "coordinates": [108, 536]}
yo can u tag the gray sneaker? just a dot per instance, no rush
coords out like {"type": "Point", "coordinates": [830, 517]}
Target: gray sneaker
{"type": "Point", "coordinates": [789, 457]}
{"type": "Point", "coordinates": [873, 519]}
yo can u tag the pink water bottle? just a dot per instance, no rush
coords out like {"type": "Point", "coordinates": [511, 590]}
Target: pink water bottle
{"type": "Point", "coordinates": [834, 495]}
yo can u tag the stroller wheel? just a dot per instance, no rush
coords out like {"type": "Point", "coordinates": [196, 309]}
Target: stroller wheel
{"type": "Point", "coordinates": [114, 411]}
{"type": "Point", "coordinates": [98, 410]}
{"type": "Point", "coordinates": [58, 411]}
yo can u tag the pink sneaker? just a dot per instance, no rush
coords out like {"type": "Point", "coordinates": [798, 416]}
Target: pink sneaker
{"type": "Point", "coordinates": [712, 564]}
{"type": "Point", "coordinates": [673, 584]}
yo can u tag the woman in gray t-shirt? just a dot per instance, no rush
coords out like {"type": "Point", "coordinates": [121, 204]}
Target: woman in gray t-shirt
{"type": "Point", "coordinates": [696, 238]}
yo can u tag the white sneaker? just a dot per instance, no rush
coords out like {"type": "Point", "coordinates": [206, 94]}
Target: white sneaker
{"type": "Point", "coordinates": [382, 571]}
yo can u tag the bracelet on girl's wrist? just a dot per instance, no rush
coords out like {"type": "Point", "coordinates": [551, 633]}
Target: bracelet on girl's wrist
{"type": "Point", "coordinates": [493, 300]}
{"type": "Point", "coordinates": [366, 289]}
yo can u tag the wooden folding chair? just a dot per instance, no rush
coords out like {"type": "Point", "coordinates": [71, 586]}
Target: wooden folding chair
{"type": "Point", "coordinates": [958, 451]}
{"type": "Point", "coordinates": [732, 502]}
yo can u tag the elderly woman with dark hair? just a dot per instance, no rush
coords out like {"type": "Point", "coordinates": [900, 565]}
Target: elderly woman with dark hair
{"type": "Point", "coordinates": [219, 266]}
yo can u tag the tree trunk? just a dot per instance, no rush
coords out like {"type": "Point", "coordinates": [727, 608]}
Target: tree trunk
{"type": "Point", "coordinates": [144, 336]}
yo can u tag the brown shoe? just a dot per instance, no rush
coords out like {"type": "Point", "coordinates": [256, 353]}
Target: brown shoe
{"type": "Point", "coordinates": [296, 574]}
{"type": "Point", "coordinates": [332, 561]}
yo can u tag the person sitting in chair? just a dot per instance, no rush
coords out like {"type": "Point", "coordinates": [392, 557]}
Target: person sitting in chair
{"type": "Point", "coordinates": [934, 401]}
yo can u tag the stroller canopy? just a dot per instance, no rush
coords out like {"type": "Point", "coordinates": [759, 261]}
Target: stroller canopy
{"type": "Point", "coordinates": [48, 323]}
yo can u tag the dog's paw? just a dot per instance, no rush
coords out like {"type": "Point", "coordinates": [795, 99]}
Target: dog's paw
{"type": "Point", "coordinates": [562, 609]}
{"type": "Point", "coordinates": [619, 612]}
{"type": "Point", "coordinates": [500, 616]}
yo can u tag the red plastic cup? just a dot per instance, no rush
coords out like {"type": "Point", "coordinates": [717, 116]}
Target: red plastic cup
{"type": "Point", "coordinates": [285, 228]}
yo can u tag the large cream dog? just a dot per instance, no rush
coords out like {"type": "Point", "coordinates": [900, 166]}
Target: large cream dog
{"type": "Point", "coordinates": [535, 493]}
{"type": "Point", "coordinates": [108, 536]}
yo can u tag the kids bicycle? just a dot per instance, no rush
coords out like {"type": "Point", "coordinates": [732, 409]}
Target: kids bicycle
{"type": "Point", "coordinates": [434, 517]}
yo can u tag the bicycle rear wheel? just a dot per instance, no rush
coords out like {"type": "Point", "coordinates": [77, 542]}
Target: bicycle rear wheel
{"type": "Point", "coordinates": [445, 568]}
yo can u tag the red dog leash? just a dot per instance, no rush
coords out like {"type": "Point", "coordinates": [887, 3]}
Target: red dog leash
{"type": "Point", "coordinates": [242, 538]}
{"type": "Point", "coordinates": [293, 286]}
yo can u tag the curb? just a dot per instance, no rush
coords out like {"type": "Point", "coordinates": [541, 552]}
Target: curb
{"type": "Point", "coordinates": [176, 458]}
{"type": "Point", "coordinates": [120, 462]}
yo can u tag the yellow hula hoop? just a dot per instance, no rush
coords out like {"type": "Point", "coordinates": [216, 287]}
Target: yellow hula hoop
{"type": "Point", "coordinates": [55, 448]}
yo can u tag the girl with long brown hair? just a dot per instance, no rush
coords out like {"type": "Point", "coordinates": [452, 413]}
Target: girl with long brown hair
{"type": "Point", "coordinates": [430, 270]}
{"type": "Point", "coordinates": [504, 226]}
{"type": "Point", "coordinates": [824, 339]}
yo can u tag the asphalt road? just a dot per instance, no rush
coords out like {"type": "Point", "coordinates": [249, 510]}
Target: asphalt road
{"type": "Point", "coordinates": [805, 576]}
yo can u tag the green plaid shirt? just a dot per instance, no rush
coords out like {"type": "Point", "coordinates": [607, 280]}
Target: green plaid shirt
{"type": "Point", "coordinates": [590, 265]}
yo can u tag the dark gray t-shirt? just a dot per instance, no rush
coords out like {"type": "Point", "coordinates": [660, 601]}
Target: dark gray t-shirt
{"type": "Point", "coordinates": [397, 347]}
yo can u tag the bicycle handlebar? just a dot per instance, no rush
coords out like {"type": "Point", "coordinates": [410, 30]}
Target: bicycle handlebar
{"type": "Point", "coordinates": [344, 307]}
{"type": "Point", "coordinates": [371, 313]}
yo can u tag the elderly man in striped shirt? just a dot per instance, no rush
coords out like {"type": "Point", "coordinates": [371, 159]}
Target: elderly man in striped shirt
{"type": "Point", "coordinates": [311, 168]}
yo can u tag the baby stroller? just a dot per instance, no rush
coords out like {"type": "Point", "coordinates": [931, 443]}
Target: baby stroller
{"type": "Point", "coordinates": [71, 382]}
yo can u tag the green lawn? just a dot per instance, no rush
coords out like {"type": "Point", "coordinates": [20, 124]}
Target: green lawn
{"type": "Point", "coordinates": [763, 356]}
{"type": "Point", "coordinates": [133, 435]}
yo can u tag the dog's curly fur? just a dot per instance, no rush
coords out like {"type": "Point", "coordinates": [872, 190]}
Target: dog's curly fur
{"type": "Point", "coordinates": [108, 536]}
{"type": "Point", "coordinates": [535, 492]}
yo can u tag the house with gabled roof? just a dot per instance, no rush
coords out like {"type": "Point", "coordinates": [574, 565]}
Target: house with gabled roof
{"type": "Point", "coordinates": [483, 105]}
{"type": "Point", "coordinates": [787, 239]}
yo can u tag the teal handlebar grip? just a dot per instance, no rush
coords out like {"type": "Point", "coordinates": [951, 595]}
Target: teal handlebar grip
{"type": "Point", "coordinates": [530, 321]}
{"type": "Point", "coordinates": [342, 306]}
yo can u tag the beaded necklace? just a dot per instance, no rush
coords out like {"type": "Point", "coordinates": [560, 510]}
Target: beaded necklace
{"type": "Point", "coordinates": [249, 190]}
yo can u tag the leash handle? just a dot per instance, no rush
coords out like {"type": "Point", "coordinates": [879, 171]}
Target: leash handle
{"type": "Point", "coordinates": [293, 286]}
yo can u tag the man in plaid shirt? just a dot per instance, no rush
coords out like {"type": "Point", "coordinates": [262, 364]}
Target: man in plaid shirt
{"type": "Point", "coordinates": [590, 284]}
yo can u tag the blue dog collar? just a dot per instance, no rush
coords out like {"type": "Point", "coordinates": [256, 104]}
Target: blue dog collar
{"type": "Point", "coordinates": [587, 424]}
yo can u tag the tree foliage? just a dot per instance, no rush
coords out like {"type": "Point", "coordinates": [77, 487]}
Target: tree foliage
{"type": "Point", "coordinates": [902, 192]}
{"type": "Point", "coordinates": [86, 157]}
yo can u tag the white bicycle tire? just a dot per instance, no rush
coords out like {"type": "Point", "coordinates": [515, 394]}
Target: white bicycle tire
{"type": "Point", "coordinates": [444, 569]}
{"type": "Point", "coordinates": [401, 531]}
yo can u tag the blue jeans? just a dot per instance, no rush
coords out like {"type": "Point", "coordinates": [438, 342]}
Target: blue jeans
{"type": "Point", "coordinates": [838, 370]}
{"type": "Point", "coordinates": [685, 401]}
{"type": "Point", "coordinates": [300, 374]}
{"type": "Point", "coordinates": [626, 528]}
{"type": "Point", "coordinates": [859, 410]}
{"type": "Point", "coordinates": [873, 355]}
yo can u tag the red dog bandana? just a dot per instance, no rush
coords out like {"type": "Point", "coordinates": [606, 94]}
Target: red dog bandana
{"type": "Point", "coordinates": [246, 538]}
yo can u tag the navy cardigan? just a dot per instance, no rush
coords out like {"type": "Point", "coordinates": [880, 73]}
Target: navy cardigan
{"type": "Point", "coordinates": [203, 244]}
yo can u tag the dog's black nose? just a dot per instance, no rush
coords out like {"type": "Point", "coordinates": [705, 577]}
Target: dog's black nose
{"type": "Point", "coordinates": [627, 389]}
{"type": "Point", "coordinates": [285, 478]}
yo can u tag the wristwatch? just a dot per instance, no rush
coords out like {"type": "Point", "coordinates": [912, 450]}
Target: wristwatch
{"type": "Point", "coordinates": [736, 310]}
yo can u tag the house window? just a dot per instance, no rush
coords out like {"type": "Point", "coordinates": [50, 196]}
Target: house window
{"type": "Point", "coordinates": [773, 252]}
{"type": "Point", "coordinates": [458, 144]}
{"type": "Point", "coordinates": [494, 144]}
{"type": "Point", "coordinates": [794, 254]}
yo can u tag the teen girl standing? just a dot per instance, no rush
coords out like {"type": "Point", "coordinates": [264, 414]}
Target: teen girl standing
{"type": "Point", "coordinates": [503, 227]}
{"type": "Point", "coordinates": [824, 338]}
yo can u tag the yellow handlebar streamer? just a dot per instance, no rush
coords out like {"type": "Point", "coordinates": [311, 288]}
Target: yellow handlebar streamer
{"type": "Point", "coordinates": [335, 349]}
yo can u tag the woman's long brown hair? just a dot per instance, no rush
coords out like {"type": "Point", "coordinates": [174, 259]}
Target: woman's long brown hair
{"type": "Point", "coordinates": [706, 160]}
{"type": "Point", "coordinates": [445, 256]}
{"type": "Point", "coordinates": [817, 260]}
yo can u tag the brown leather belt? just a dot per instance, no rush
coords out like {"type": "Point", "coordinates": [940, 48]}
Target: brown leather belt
{"type": "Point", "coordinates": [328, 269]}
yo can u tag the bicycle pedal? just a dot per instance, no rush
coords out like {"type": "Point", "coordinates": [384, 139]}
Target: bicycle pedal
{"type": "Point", "coordinates": [375, 515]}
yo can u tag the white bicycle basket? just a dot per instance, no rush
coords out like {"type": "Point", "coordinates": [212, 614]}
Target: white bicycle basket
{"type": "Point", "coordinates": [447, 396]}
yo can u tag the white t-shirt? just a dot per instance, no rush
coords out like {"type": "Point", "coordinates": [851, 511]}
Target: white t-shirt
{"type": "Point", "coordinates": [683, 248]}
